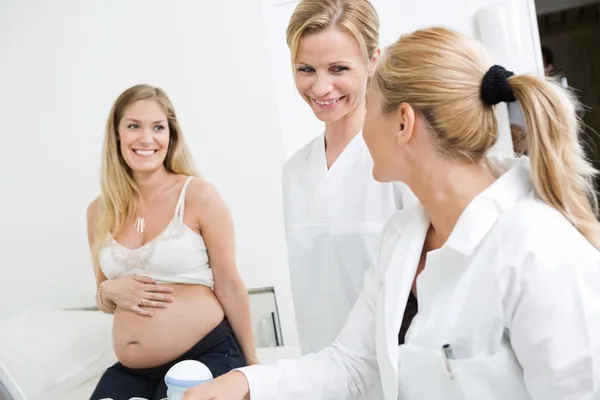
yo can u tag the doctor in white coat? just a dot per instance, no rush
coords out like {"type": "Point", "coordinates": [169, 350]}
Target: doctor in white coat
{"type": "Point", "coordinates": [334, 210]}
{"type": "Point", "coordinates": [501, 255]}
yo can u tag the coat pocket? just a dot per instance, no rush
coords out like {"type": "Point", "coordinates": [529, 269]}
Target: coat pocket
{"type": "Point", "coordinates": [425, 373]}
{"type": "Point", "coordinates": [495, 377]}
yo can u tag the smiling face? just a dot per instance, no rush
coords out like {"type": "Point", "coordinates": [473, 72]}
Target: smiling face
{"type": "Point", "coordinates": [144, 136]}
{"type": "Point", "coordinates": [331, 73]}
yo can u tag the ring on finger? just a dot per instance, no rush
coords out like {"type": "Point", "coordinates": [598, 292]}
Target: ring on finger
{"type": "Point", "coordinates": [141, 302]}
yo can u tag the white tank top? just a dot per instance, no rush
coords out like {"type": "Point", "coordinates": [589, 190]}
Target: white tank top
{"type": "Point", "coordinates": [177, 255]}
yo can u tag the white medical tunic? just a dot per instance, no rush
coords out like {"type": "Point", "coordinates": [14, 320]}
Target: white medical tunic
{"type": "Point", "coordinates": [333, 219]}
{"type": "Point", "coordinates": [515, 291]}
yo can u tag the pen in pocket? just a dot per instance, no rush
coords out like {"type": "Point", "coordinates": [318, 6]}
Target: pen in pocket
{"type": "Point", "coordinates": [448, 352]}
{"type": "Point", "coordinates": [448, 355]}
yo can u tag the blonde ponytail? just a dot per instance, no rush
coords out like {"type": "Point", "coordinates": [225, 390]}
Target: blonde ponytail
{"type": "Point", "coordinates": [446, 77]}
{"type": "Point", "coordinates": [562, 176]}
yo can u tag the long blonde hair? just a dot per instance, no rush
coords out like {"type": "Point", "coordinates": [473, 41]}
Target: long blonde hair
{"type": "Point", "coordinates": [118, 189]}
{"type": "Point", "coordinates": [439, 72]}
{"type": "Point", "coordinates": [357, 17]}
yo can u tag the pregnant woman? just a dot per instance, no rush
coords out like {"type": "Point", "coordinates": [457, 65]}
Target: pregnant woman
{"type": "Point", "coordinates": [162, 242]}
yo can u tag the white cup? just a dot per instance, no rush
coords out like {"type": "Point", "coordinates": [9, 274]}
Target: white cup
{"type": "Point", "coordinates": [184, 375]}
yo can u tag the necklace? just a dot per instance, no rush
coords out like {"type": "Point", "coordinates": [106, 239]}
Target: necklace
{"type": "Point", "coordinates": [140, 221]}
{"type": "Point", "coordinates": [140, 224]}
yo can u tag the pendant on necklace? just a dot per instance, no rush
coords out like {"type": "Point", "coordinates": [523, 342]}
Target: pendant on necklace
{"type": "Point", "coordinates": [140, 224]}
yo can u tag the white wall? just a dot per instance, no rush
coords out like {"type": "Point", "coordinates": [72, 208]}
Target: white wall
{"type": "Point", "coordinates": [63, 64]}
{"type": "Point", "coordinates": [396, 17]}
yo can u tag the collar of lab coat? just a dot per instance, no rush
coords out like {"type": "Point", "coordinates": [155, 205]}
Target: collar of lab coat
{"type": "Point", "coordinates": [355, 144]}
{"type": "Point", "coordinates": [483, 211]}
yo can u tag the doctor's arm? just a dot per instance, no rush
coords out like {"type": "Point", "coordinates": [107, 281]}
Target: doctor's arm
{"type": "Point", "coordinates": [343, 370]}
{"type": "Point", "coordinates": [555, 327]}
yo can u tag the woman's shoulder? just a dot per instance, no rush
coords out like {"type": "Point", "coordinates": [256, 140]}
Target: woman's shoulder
{"type": "Point", "coordinates": [201, 193]}
{"type": "Point", "coordinates": [206, 205]}
{"type": "Point", "coordinates": [303, 155]}
{"type": "Point", "coordinates": [92, 209]}
{"type": "Point", "coordinates": [536, 234]}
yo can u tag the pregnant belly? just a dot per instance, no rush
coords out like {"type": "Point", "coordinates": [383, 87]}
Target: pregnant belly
{"type": "Point", "coordinates": [145, 342]}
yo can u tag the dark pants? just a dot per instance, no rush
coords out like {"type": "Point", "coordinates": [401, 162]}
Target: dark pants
{"type": "Point", "coordinates": [218, 350]}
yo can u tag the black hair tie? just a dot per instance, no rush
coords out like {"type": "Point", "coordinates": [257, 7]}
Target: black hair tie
{"type": "Point", "coordinates": [495, 88]}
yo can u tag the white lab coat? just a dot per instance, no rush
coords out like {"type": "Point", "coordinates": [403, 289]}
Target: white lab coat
{"type": "Point", "coordinates": [333, 219]}
{"type": "Point", "coordinates": [515, 291]}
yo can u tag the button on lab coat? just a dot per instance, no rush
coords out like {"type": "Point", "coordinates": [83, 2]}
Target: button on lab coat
{"type": "Point", "coordinates": [515, 291]}
{"type": "Point", "coordinates": [333, 219]}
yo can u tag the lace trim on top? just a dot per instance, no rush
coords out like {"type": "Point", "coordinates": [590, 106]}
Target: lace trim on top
{"type": "Point", "coordinates": [141, 257]}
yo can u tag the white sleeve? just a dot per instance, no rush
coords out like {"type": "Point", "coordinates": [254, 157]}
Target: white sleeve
{"type": "Point", "coordinates": [555, 326]}
{"type": "Point", "coordinates": [343, 370]}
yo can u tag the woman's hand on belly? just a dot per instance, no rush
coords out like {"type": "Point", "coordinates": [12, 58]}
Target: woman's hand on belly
{"type": "Point", "coordinates": [137, 294]}
{"type": "Point", "coordinates": [141, 342]}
